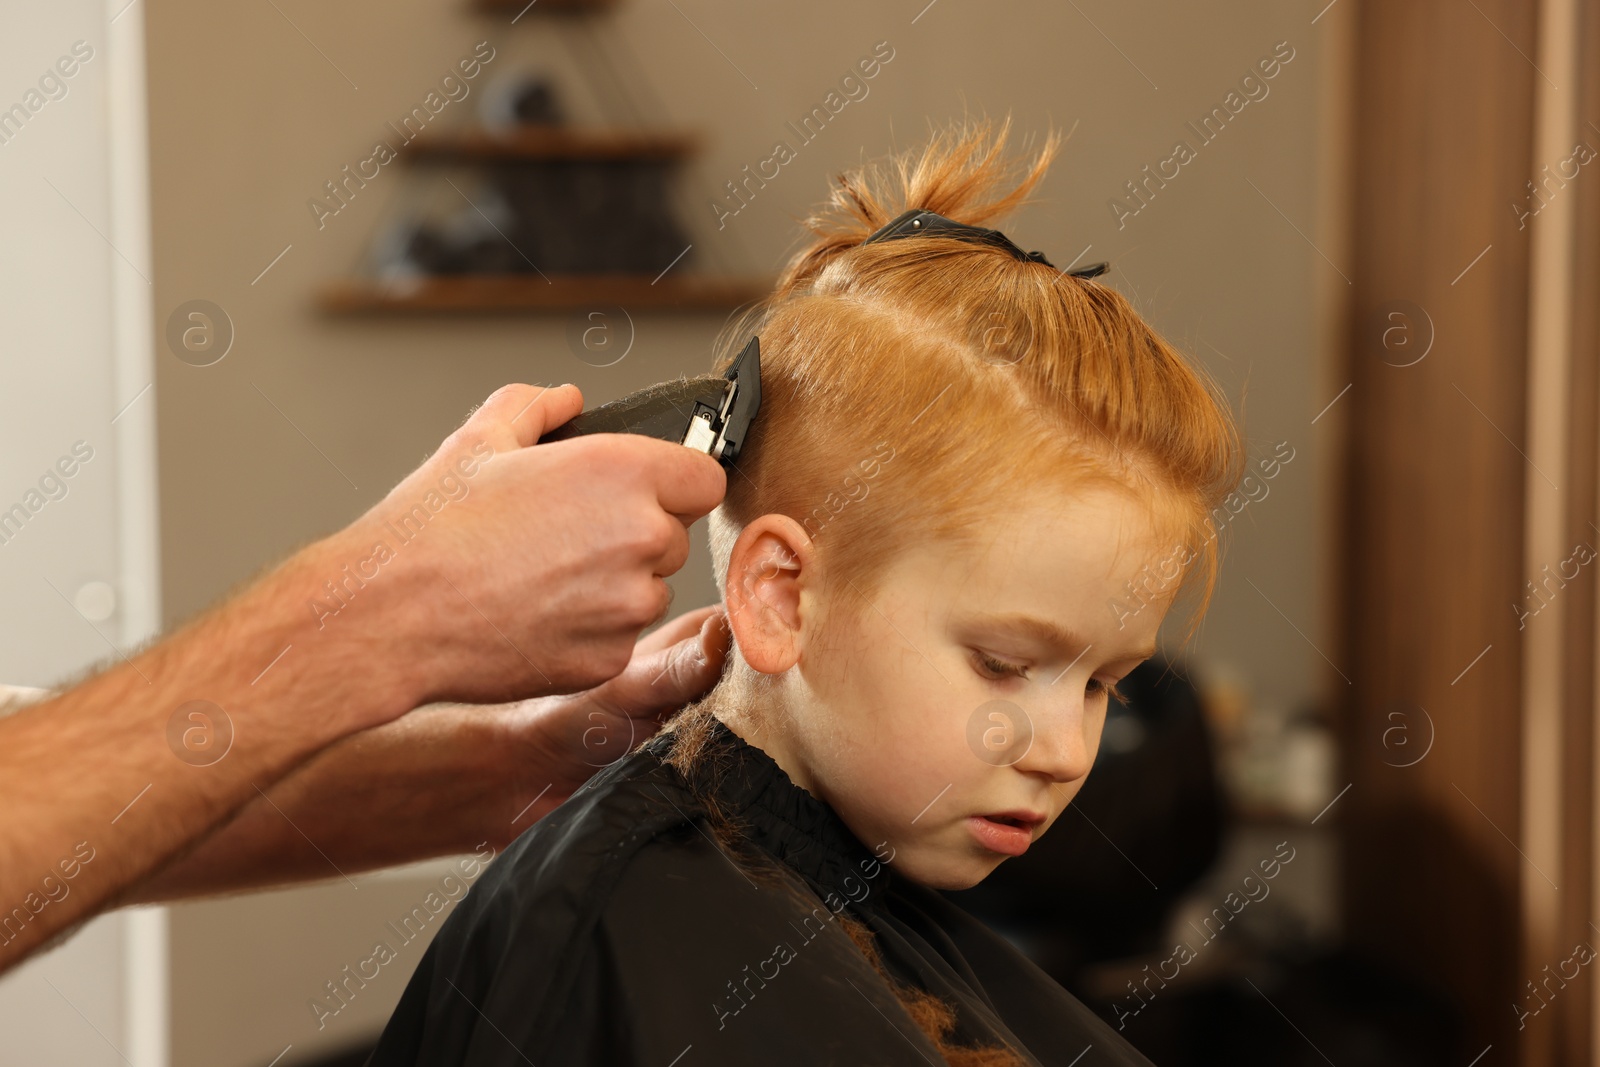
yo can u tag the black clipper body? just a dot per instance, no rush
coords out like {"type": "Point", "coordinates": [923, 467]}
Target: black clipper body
{"type": "Point", "coordinates": [711, 413]}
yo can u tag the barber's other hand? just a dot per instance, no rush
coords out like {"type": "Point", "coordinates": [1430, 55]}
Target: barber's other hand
{"type": "Point", "coordinates": [445, 779]}
{"type": "Point", "coordinates": [501, 569]}
{"type": "Point", "coordinates": [556, 743]}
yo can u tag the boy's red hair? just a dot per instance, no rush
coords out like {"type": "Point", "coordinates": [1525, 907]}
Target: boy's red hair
{"type": "Point", "coordinates": [983, 373]}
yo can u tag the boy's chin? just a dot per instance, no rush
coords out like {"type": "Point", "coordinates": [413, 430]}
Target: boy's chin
{"type": "Point", "coordinates": [953, 872]}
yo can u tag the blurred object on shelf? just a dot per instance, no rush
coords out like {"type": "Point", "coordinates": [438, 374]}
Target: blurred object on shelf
{"type": "Point", "coordinates": [1309, 758]}
{"type": "Point", "coordinates": [527, 143]}
{"type": "Point", "coordinates": [544, 218]}
{"type": "Point", "coordinates": [586, 212]}
{"type": "Point", "coordinates": [470, 241]}
{"type": "Point", "coordinates": [1274, 764]}
{"type": "Point", "coordinates": [576, 218]}
{"type": "Point", "coordinates": [527, 98]}
{"type": "Point", "coordinates": [1225, 700]}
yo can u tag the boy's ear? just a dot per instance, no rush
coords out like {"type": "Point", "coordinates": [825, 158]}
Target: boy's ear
{"type": "Point", "coordinates": [765, 570]}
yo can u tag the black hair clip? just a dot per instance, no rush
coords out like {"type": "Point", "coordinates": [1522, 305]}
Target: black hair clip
{"type": "Point", "coordinates": [920, 221]}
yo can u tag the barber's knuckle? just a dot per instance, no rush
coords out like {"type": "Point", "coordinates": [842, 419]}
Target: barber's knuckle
{"type": "Point", "coordinates": [643, 606]}
{"type": "Point", "coordinates": [619, 654]}
{"type": "Point", "coordinates": [469, 433]}
{"type": "Point", "coordinates": [509, 391]}
{"type": "Point", "coordinates": [640, 603]}
{"type": "Point", "coordinates": [666, 531]}
{"type": "Point", "coordinates": [614, 455]}
{"type": "Point", "coordinates": [634, 445]}
{"type": "Point", "coordinates": [640, 534]}
{"type": "Point", "coordinates": [467, 440]}
{"type": "Point", "coordinates": [501, 405]}
{"type": "Point", "coordinates": [607, 659]}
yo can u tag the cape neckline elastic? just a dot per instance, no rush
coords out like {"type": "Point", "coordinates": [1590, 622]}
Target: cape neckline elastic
{"type": "Point", "coordinates": [783, 819]}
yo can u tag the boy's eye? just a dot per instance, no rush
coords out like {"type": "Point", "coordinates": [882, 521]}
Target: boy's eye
{"type": "Point", "coordinates": [999, 668]}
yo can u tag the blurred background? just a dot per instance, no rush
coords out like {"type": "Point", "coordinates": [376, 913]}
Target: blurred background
{"type": "Point", "coordinates": [261, 258]}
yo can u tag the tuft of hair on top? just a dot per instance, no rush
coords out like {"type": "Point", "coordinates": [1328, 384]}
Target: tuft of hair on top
{"type": "Point", "coordinates": [963, 173]}
{"type": "Point", "coordinates": [911, 388]}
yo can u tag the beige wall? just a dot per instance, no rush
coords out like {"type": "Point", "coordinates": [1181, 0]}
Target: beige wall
{"type": "Point", "coordinates": [248, 120]}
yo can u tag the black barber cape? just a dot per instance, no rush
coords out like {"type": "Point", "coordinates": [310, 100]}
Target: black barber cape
{"type": "Point", "coordinates": [617, 931]}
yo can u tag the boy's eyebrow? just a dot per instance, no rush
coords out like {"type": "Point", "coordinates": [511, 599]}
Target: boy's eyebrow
{"type": "Point", "coordinates": [1046, 632]}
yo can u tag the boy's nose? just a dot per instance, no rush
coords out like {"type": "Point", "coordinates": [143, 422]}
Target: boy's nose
{"type": "Point", "coordinates": [1061, 749]}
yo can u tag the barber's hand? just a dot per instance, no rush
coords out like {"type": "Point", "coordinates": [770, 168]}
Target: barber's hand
{"type": "Point", "coordinates": [558, 742]}
{"type": "Point", "coordinates": [445, 779]}
{"type": "Point", "coordinates": [501, 569]}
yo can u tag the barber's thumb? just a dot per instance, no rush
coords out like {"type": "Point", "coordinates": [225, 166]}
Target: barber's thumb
{"type": "Point", "coordinates": [716, 638]}
{"type": "Point", "coordinates": [680, 673]}
{"type": "Point", "coordinates": [520, 414]}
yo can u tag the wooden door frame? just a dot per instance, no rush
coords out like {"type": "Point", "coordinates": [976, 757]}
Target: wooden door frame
{"type": "Point", "coordinates": [1473, 870]}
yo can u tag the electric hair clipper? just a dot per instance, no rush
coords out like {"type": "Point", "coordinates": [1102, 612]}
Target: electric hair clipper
{"type": "Point", "coordinates": [710, 413]}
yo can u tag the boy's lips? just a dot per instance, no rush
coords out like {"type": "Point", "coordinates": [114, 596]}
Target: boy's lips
{"type": "Point", "coordinates": [1006, 832]}
{"type": "Point", "coordinates": [1017, 816]}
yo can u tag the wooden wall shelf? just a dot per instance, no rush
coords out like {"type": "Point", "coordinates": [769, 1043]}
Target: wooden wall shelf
{"type": "Point", "coordinates": [477, 294]}
{"type": "Point", "coordinates": [555, 7]}
{"type": "Point", "coordinates": [550, 143]}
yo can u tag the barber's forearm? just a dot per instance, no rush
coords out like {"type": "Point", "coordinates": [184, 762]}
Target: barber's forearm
{"type": "Point", "coordinates": [401, 777]}
{"type": "Point", "coordinates": [447, 778]}
{"type": "Point", "coordinates": [102, 770]}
